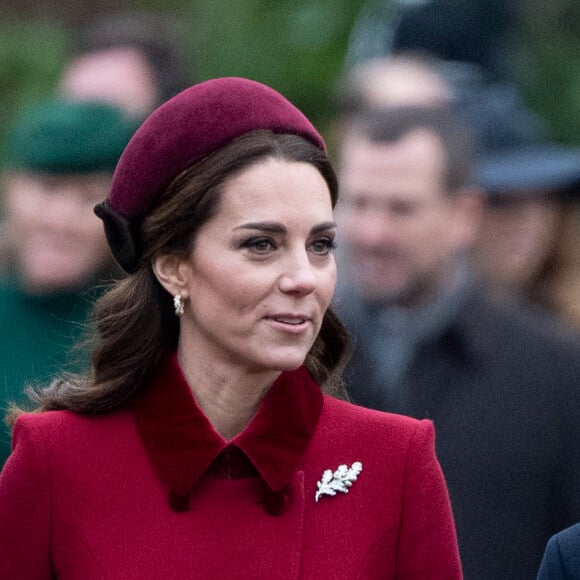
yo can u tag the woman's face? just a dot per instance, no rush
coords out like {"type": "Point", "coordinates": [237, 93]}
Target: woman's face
{"type": "Point", "coordinates": [59, 242]}
{"type": "Point", "coordinates": [516, 238]}
{"type": "Point", "coordinates": [262, 272]}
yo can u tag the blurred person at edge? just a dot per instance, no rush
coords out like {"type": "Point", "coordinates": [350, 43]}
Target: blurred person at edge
{"type": "Point", "coordinates": [60, 160]}
{"type": "Point", "coordinates": [133, 60]}
{"type": "Point", "coordinates": [561, 559]}
{"type": "Point", "coordinates": [502, 389]}
{"type": "Point", "coordinates": [204, 441]}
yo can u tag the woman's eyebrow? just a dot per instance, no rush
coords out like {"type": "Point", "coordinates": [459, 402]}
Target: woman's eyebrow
{"type": "Point", "coordinates": [278, 228]}
{"type": "Point", "coordinates": [323, 227]}
{"type": "Point", "coordinates": [270, 227]}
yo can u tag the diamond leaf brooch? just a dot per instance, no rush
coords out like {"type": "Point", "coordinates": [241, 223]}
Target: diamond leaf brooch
{"type": "Point", "coordinates": [341, 480]}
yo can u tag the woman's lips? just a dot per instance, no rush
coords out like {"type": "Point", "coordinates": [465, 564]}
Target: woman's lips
{"type": "Point", "coordinates": [290, 322]}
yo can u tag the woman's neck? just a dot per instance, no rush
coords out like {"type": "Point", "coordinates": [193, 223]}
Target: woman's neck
{"type": "Point", "coordinates": [228, 395]}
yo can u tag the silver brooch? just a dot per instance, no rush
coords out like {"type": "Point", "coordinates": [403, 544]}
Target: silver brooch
{"type": "Point", "coordinates": [341, 480]}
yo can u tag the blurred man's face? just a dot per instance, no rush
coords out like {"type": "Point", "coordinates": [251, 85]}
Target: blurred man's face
{"type": "Point", "coordinates": [401, 228]}
{"type": "Point", "coordinates": [121, 76]}
{"type": "Point", "coordinates": [59, 243]}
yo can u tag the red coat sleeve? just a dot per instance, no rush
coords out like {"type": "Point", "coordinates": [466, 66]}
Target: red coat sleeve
{"type": "Point", "coordinates": [427, 543]}
{"type": "Point", "coordinates": [25, 510]}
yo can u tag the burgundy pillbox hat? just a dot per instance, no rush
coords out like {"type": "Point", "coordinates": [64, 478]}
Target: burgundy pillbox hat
{"type": "Point", "coordinates": [182, 131]}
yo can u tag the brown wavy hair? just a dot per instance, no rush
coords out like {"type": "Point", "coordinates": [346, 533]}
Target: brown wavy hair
{"type": "Point", "coordinates": [134, 322]}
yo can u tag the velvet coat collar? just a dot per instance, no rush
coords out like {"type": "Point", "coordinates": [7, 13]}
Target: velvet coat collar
{"type": "Point", "coordinates": [182, 444]}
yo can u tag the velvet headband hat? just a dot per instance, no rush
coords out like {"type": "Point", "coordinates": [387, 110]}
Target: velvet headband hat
{"type": "Point", "coordinates": [184, 130]}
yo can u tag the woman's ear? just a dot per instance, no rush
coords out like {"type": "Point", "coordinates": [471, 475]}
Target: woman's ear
{"type": "Point", "coordinates": [170, 272]}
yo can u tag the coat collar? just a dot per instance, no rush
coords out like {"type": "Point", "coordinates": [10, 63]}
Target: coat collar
{"type": "Point", "coordinates": [182, 444]}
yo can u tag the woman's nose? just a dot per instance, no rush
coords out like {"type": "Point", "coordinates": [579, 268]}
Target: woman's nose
{"type": "Point", "coordinates": [299, 275]}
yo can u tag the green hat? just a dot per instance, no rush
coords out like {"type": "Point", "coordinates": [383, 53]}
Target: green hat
{"type": "Point", "coordinates": [66, 137]}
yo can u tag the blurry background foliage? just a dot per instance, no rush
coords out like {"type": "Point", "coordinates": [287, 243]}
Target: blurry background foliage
{"type": "Point", "coordinates": [297, 46]}
{"type": "Point", "coordinates": [552, 38]}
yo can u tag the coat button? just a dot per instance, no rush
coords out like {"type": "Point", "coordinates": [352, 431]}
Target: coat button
{"type": "Point", "coordinates": [179, 502]}
{"type": "Point", "coordinates": [276, 502]}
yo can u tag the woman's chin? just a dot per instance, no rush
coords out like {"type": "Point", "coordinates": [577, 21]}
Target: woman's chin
{"type": "Point", "coordinates": [287, 362]}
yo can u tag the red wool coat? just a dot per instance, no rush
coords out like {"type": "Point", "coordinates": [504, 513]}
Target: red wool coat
{"type": "Point", "coordinates": [153, 491]}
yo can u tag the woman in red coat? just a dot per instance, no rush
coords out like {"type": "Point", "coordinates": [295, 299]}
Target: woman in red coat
{"type": "Point", "coordinates": [201, 444]}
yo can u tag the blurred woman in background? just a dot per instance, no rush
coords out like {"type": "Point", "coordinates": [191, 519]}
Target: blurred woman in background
{"type": "Point", "coordinates": [529, 242]}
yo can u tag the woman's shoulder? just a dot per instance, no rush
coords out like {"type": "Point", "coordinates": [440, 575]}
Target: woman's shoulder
{"type": "Point", "coordinates": [53, 428]}
{"type": "Point", "coordinates": [382, 442]}
{"type": "Point", "coordinates": [66, 419]}
{"type": "Point", "coordinates": [346, 416]}
{"type": "Point", "coordinates": [67, 441]}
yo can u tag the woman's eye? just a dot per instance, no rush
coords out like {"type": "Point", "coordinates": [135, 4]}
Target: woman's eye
{"type": "Point", "coordinates": [323, 246]}
{"type": "Point", "coordinates": [259, 245]}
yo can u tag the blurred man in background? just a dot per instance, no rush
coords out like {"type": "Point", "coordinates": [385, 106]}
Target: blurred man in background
{"type": "Point", "coordinates": [528, 245]}
{"type": "Point", "coordinates": [502, 389]}
{"type": "Point", "coordinates": [133, 61]}
{"type": "Point", "coordinates": [61, 157]}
